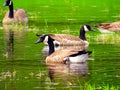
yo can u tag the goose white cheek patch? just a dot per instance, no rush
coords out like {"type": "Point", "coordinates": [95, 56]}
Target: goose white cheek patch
{"type": "Point", "coordinates": [10, 3]}
{"type": "Point", "coordinates": [85, 28]}
{"type": "Point", "coordinates": [46, 39]}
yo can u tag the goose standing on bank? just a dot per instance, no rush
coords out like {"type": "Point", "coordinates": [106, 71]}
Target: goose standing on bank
{"type": "Point", "coordinates": [66, 39]}
{"type": "Point", "coordinates": [63, 55]}
{"type": "Point", "coordinates": [13, 16]}
{"type": "Point", "coordinates": [109, 27]}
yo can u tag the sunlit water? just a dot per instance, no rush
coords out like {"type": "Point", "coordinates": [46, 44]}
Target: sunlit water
{"type": "Point", "coordinates": [22, 62]}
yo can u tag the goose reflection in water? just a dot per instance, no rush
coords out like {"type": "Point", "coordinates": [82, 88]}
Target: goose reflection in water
{"type": "Point", "coordinates": [10, 45]}
{"type": "Point", "coordinates": [67, 72]}
{"type": "Point", "coordinates": [12, 32]}
{"type": "Point", "coordinates": [9, 42]}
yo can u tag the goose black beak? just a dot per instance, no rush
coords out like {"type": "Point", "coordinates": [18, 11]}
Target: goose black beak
{"type": "Point", "coordinates": [92, 30]}
{"type": "Point", "coordinates": [39, 35]}
{"type": "Point", "coordinates": [89, 52]}
{"type": "Point", "coordinates": [38, 41]}
{"type": "Point", "coordinates": [5, 4]}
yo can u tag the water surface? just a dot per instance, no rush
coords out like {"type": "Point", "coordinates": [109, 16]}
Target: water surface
{"type": "Point", "coordinates": [22, 62]}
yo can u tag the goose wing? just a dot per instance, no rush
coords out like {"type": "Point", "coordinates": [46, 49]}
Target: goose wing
{"type": "Point", "coordinates": [74, 47]}
{"type": "Point", "coordinates": [66, 39]}
{"type": "Point", "coordinates": [59, 56]}
{"type": "Point", "coordinates": [115, 26]}
{"type": "Point", "coordinates": [20, 15]}
{"type": "Point", "coordinates": [110, 26]}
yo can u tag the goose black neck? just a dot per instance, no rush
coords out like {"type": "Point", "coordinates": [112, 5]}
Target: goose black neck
{"type": "Point", "coordinates": [82, 34]}
{"type": "Point", "coordinates": [51, 45]}
{"type": "Point", "coordinates": [11, 12]}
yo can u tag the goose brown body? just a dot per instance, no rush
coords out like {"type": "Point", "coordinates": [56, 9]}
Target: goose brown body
{"type": "Point", "coordinates": [20, 16]}
{"type": "Point", "coordinates": [59, 56]}
{"type": "Point", "coordinates": [64, 56]}
{"type": "Point", "coordinates": [74, 47]}
{"type": "Point", "coordinates": [66, 39]}
{"type": "Point", "coordinates": [113, 26]}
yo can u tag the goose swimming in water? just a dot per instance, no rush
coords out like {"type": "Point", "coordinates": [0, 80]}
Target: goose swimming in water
{"type": "Point", "coordinates": [13, 16]}
{"type": "Point", "coordinates": [66, 39]}
{"type": "Point", "coordinates": [109, 27]}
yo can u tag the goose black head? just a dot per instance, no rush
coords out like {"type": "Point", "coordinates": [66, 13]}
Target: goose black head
{"type": "Point", "coordinates": [42, 38]}
{"type": "Point", "coordinates": [46, 39]}
{"type": "Point", "coordinates": [8, 3]}
{"type": "Point", "coordinates": [86, 27]}
{"type": "Point", "coordinates": [83, 30]}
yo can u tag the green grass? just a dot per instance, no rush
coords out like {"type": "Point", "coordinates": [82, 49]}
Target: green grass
{"type": "Point", "coordinates": [102, 87]}
{"type": "Point", "coordinates": [68, 11]}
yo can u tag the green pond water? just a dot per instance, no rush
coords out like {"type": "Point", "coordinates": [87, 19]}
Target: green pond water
{"type": "Point", "coordinates": [22, 63]}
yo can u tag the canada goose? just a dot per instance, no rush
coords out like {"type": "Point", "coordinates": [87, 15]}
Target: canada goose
{"type": "Point", "coordinates": [66, 39]}
{"type": "Point", "coordinates": [63, 55]}
{"type": "Point", "coordinates": [14, 16]}
{"type": "Point", "coordinates": [109, 27]}
{"type": "Point", "coordinates": [67, 56]}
